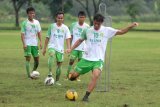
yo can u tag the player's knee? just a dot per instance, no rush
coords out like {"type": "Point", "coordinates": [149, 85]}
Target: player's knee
{"type": "Point", "coordinates": [51, 54]}
{"type": "Point", "coordinates": [96, 74]}
{"type": "Point", "coordinates": [28, 58]}
{"type": "Point", "coordinates": [73, 76]}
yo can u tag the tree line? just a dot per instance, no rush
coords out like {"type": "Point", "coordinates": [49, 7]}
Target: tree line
{"type": "Point", "coordinates": [133, 8]}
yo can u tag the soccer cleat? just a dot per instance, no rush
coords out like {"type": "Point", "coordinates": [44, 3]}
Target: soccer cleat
{"type": "Point", "coordinates": [31, 78]}
{"type": "Point", "coordinates": [85, 99]}
{"type": "Point", "coordinates": [58, 83]}
{"type": "Point", "coordinates": [78, 79]}
{"type": "Point", "coordinates": [49, 75]}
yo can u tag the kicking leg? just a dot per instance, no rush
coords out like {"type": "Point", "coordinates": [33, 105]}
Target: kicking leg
{"type": "Point", "coordinates": [78, 78]}
{"type": "Point", "coordinates": [73, 76]}
{"type": "Point", "coordinates": [69, 66]}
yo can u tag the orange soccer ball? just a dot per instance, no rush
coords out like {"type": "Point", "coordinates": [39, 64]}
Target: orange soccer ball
{"type": "Point", "coordinates": [71, 95]}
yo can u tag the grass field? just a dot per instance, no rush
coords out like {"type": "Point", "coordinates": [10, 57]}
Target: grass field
{"type": "Point", "coordinates": [143, 26]}
{"type": "Point", "coordinates": [135, 75]}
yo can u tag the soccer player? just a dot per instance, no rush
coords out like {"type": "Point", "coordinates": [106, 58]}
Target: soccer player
{"type": "Point", "coordinates": [56, 35]}
{"type": "Point", "coordinates": [76, 29]}
{"type": "Point", "coordinates": [96, 38]}
{"type": "Point", "coordinates": [30, 29]}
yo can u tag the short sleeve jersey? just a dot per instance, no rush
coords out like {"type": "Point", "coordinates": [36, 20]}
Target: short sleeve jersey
{"type": "Point", "coordinates": [76, 31]}
{"type": "Point", "coordinates": [57, 35]}
{"type": "Point", "coordinates": [30, 30]}
{"type": "Point", "coordinates": [96, 42]}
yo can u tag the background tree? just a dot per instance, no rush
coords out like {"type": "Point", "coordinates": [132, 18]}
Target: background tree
{"type": "Point", "coordinates": [136, 8]}
{"type": "Point", "coordinates": [58, 5]}
{"type": "Point", "coordinates": [17, 4]}
{"type": "Point", "coordinates": [29, 3]}
{"type": "Point", "coordinates": [157, 6]}
{"type": "Point", "coordinates": [133, 11]}
{"type": "Point", "coordinates": [95, 6]}
{"type": "Point", "coordinates": [145, 10]}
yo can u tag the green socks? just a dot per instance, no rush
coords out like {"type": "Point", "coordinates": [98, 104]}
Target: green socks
{"type": "Point", "coordinates": [58, 73]}
{"type": "Point", "coordinates": [36, 63]}
{"type": "Point", "coordinates": [28, 68]}
{"type": "Point", "coordinates": [50, 64]}
{"type": "Point", "coordinates": [85, 98]}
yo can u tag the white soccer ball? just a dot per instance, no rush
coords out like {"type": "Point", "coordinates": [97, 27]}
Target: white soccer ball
{"type": "Point", "coordinates": [49, 81]}
{"type": "Point", "coordinates": [35, 74]}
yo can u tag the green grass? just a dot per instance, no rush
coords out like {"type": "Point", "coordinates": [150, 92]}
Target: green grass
{"type": "Point", "coordinates": [142, 25]}
{"type": "Point", "coordinates": [135, 76]}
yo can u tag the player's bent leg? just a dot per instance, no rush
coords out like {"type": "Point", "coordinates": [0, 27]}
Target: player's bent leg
{"type": "Point", "coordinates": [69, 67]}
{"type": "Point", "coordinates": [73, 57]}
{"type": "Point", "coordinates": [73, 76]}
{"type": "Point", "coordinates": [78, 78]}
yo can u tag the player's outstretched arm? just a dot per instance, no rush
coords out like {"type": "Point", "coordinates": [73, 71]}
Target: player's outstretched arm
{"type": "Point", "coordinates": [76, 44]}
{"type": "Point", "coordinates": [45, 46]}
{"type": "Point", "coordinates": [125, 30]}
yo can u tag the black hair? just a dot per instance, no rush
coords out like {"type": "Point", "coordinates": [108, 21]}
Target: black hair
{"type": "Point", "coordinates": [30, 9]}
{"type": "Point", "coordinates": [81, 13]}
{"type": "Point", "coordinates": [59, 12]}
{"type": "Point", "coordinates": [98, 18]}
